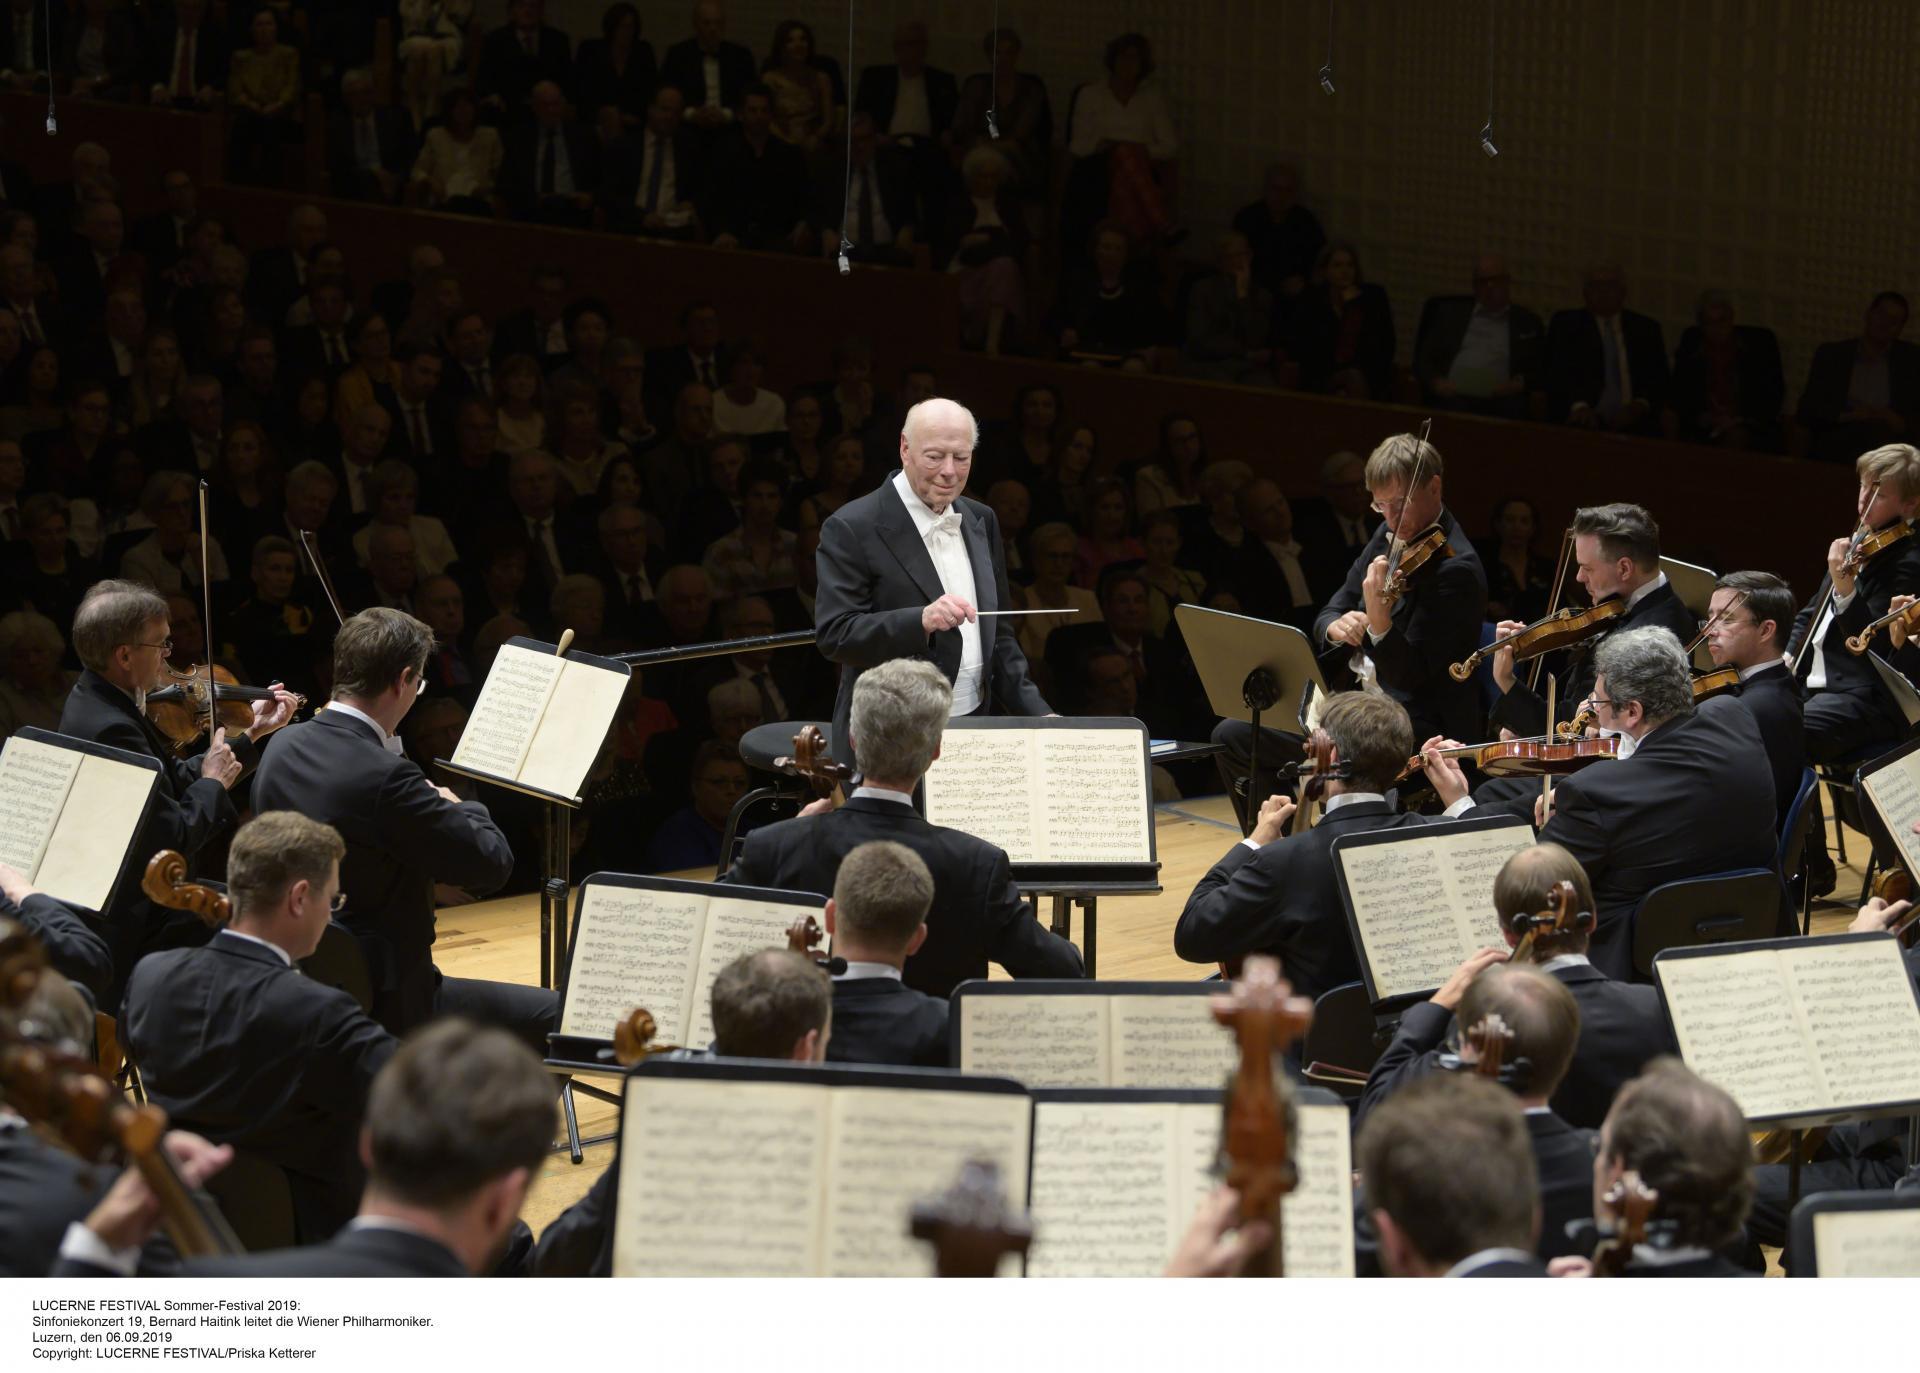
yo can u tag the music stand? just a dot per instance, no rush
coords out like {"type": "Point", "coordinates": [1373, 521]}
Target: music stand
{"type": "Point", "coordinates": [1904, 694]}
{"type": "Point", "coordinates": [1250, 667]}
{"type": "Point", "coordinates": [1694, 586]}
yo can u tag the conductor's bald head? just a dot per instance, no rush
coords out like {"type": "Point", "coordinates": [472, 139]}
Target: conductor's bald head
{"type": "Point", "coordinates": [937, 440]}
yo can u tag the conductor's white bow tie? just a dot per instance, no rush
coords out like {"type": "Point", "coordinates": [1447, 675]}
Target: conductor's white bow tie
{"type": "Point", "coordinates": [949, 523]}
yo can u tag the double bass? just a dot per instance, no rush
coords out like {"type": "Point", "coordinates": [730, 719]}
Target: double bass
{"type": "Point", "coordinates": [1259, 1120]}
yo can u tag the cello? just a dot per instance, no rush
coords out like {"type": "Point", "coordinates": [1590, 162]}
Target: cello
{"type": "Point", "coordinates": [813, 763]}
{"type": "Point", "coordinates": [1259, 1119]}
{"type": "Point", "coordinates": [1558, 919]}
{"type": "Point", "coordinates": [1629, 1205]}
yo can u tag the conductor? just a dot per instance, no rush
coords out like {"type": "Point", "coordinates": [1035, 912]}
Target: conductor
{"type": "Point", "coordinates": [907, 570]}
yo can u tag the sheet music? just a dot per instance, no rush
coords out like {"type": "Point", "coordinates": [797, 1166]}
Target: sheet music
{"type": "Point", "coordinates": [1168, 1041]}
{"type": "Point", "coordinates": [1316, 1218]}
{"type": "Point", "coordinates": [1894, 791]}
{"type": "Point", "coordinates": [1041, 1040]}
{"type": "Point", "coordinates": [634, 947]}
{"type": "Point", "coordinates": [720, 1179]}
{"type": "Point", "coordinates": [1424, 902]}
{"type": "Point", "coordinates": [1868, 1244]}
{"type": "Point", "coordinates": [734, 927]}
{"type": "Point", "coordinates": [894, 1147]}
{"type": "Point", "coordinates": [500, 730]}
{"type": "Point", "coordinates": [1856, 1000]}
{"type": "Point", "coordinates": [1104, 1180]}
{"type": "Point", "coordinates": [34, 781]}
{"type": "Point", "coordinates": [104, 807]}
{"type": "Point", "coordinates": [1046, 795]}
{"type": "Point", "coordinates": [574, 728]}
{"type": "Point", "coordinates": [1737, 1025]}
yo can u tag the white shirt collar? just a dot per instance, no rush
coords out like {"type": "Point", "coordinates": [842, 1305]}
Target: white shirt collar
{"type": "Point", "coordinates": [1488, 1257]}
{"type": "Point", "coordinates": [389, 742]}
{"type": "Point", "coordinates": [1646, 1256]}
{"type": "Point", "coordinates": [285, 957]}
{"type": "Point", "coordinates": [1350, 798]}
{"type": "Point", "coordinates": [882, 794]}
{"type": "Point", "coordinates": [923, 516]}
{"type": "Point", "coordinates": [867, 970]}
{"type": "Point", "coordinates": [1747, 674]}
{"type": "Point", "coordinates": [1566, 960]}
{"type": "Point", "coordinates": [1641, 594]}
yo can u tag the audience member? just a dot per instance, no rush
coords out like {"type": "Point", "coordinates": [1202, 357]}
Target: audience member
{"type": "Point", "coordinates": [1230, 320]}
{"type": "Point", "coordinates": [1519, 578]}
{"type": "Point", "coordinates": [655, 188]}
{"type": "Point", "coordinates": [1865, 392]}
{"type": "Point", "coordinates": [617, 68]}
{"type": "Point", "coordinates": [757, 191]}
{"type": "Point", "coordinates": [1114, 314]}
{"type": "Point", "coordinates": [1008, 109]}
{"type": "Point", "coordinates": [710, 72]}
{"type": "Point", "coordinates": [1482, 353]}
{"type": "Point", "coordinates": [519, 56]}
{"type": "Point", "coordinates": [1126, 120]}
{"type": "Point", "coordinates": [690, 838]}
{"type": "Point", "coordinates": [369, 145]}
{"type": "Point", "coordinates": [803, 107]}
{"type": "Point", "coordinates": [263, 91]}
{"type": "Point", "coordinates": [1283, 235]}
{"type": "Point", "coordinates": [1340, 331]}
{"type": "Point", "coordinates": [1727, 385]}
{"type": "Point", "coordinates": [869, 203]}
{"type": "Point", "coordinates": [1606, 365]}
{"type": "Point", "coordinates": [458, 166]}
{"type": "Point", "coordinates": [432, 41]}
{"type": "Point", "coordinates": [984, 242]}
{"type": "Point", "coordinates": [550, 170]}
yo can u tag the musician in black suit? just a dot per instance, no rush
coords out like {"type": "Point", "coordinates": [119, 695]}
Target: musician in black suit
{"type": "Point", "coordinates": [905, 569]}
{"type": "Point", "coordinates": [458, 1124]}
{"type": "Point", "coordinates": [1622, 1027]}
{"type": "Point", "coordinates": [1451, 1185]}
{"type": "Point", "coordinates": [1606, 365]}
{"type": "Point", "coordinates": [898, 713]}
{"type": "Point", "coordinates": [1848, 706]}
{"type": "Point", "coordinates": [345, 768]}
{"type": "Point", "coordinates": [1747, 631]}
{"type": "Point", "coordinates": [1863, 392]}
{"type": "Point", "coordinates": [1693, 797]}
{"type": "Point", "coordinates": [123, 634]}
{"type": "Point", "coordinates": [1688, 1141]}
{"type": "Point", "coordinates": [73, 949]}
{"type": "Point", "coordinates": [1278, 895]}
{"type": "Point", "coordinates": [1616, 549]}
{"type": "Point", "coordinates": [1482, 353]}
{"type": "Point", "coordinates": [877, 917]}
{"type": "Point", "coordinates": [708, 70]}
{"type": "Point", "coordinates": [1410, 643]}
{"type": "Point", "coordinates": [237, 1046]}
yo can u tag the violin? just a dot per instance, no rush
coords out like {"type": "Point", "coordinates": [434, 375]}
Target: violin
{"type": "Point", "coordinates": [1562, 629]}
{"type": "Point", "coordinates": [1538, 756]}
{"type": "Point", "coordinates": [1559, 918]}
{"type": "Point", "coordinates": [1907, 616]}
{"type": "Point", "coordinates": [1862, 547]}
{"type": "Point", "coordinates": [1707, 685]}
{"type": "Point", "coordinates": [73, 1103]}
{"type": "Point", "coordinates": [1870, 546]}
{"type": "Point", "coordinates": [814, 764]}
{"type": "Point", "coordinates": [165, 883]}
{"type": "Point", "coordinates": [180, 711]}
{"type": "Point", "coordinates": [1629, 1206]}
{"type": "Point", "coordinates": [1428, 546]}
{"type": "Point", "coordinates": [1259, 1119]}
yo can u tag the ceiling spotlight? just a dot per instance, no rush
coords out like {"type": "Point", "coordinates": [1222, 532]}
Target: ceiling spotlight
{"type": "Point", "coordinates": [1326, 78]}
{"type": "Point", "coordinates": [1487, 145]}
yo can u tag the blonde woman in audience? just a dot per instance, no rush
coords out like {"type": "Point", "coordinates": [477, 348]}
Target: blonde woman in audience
{"type": "Point", "coordinates": [520, 396]}
{"type": "Point", "coordinates": [33, 685]}
{"type": "Point", "coordinates": [1052, 548]}
{"type": "Point", "coordinates": [393, 492]}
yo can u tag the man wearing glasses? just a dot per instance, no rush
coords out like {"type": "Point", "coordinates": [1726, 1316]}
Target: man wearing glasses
{"type": "Point", "coordinates": [1747, 626]}
{"type": "Point", "coordinates": [122, 635]}
{"type": "Point", "coordinates": [234, 1044]}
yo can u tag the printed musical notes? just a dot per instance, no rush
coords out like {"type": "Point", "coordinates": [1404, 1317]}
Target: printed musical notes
{"type": "Point", "coordinates": [724, 1177]}
{"type": "Point", "coordinates": [540, 720]}
{"type": "Point", "coordinates": [1893, 789]}
{"type": "Point", "coordinates": [1168, 1041]}
{"type": "Point", "coordinates": [67, 817]}
{"type": "Point", "coordinates": [1422, 899]}
{"type": "Point", "coordinates": [500, 730]}
{"type": "Point", "coordinates": [1868, 1244]}
{"type": "Point", "coordinates": [1046, 795]}
{"type": "Point", "coordinates": [1091, 1038]}
{"type": "Point", "coordinates": [34, 779]}
{"type": "Point", "coordinates": [1799, 1028]}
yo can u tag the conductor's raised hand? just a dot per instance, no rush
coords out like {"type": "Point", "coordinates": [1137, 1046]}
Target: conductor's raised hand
{"type": "Point", "coordinates": [1448, 780]}
{"type": "Point", "coordinates": [220, 764]}
{"type": "Point", "coordinates": [1477, 962]}
{"type": "Point", "coordinates": [1503, 674]}
{"type": "Point", "coordinates": [1275, 811]}
{"type": "Point", "coordinates": [949, 612]}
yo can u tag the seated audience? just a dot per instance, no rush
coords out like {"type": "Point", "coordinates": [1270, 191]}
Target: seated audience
{"type": "Point", "coordinates": [1482, 353]}
{"type": "Point", "coordinates": [1727, 384]}
{"type": "Point", "coordinates": [458, 166]}
{"type": "Point", "coordinates": [263, 92]}
{"type": "Point", "coordinates": [1126, 118]}
{"type": "Point", "coordinates": [1284, 235]}
{"type": "Point", "coordinates": [757, 194]}
{"type": "Point", "coordinates": [690, 838]}
{"type": "Point", "coordinates": [369, 146]}
{"type": "Point", "coordinates": [550, 170]}
{"type": "Point", "coordinates": [712, 73]}
{"type": "Point", "coordinates": [1017, 102]}
{"type": "Point", "coordinates": [1112, 314]}
{"type": "Point", "coordinates": [1606, 365]}
{"type": "Point", "coordinates": [33, 684]}
{"type": "Point", "coordinates": [1519, 579]}
{"type": "Point", "coordinates": [1340, 331]}
{"type": "Point", "coordinates": [617, 68]}
{"type": "Point", "coordinates": [803, 107]}
{"type": "Point", "coordinates": [984, 244]}
{"type": "Point", "coordinates": [431, 45]}
{"type": "Point", "coordinates": [1863, 392]}
{"type": "Point", "coordinates": [1229, 321]}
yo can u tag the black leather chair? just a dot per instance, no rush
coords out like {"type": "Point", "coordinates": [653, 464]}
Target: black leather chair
{"type": "Point", "coordinates": [1717, 909]}
{"type": "Point", "coordinates": [1344, 1034]}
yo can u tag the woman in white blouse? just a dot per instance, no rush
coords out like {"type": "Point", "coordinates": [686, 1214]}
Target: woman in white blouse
{"type": "Point", "coordinates": [393, 492]}
{"type": "Point", "coordinates": [1127, 118]}
{"type": "Point", "coordinates": [459, 161]}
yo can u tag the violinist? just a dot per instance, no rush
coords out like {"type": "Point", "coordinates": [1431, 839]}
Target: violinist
{"type": "Point", "coordinates": [1406, 645]}
{"type": "Point", "coordinates": [1688, 1141]}
{"type": "Point", "coordinates": [1277, 893]}
{"type": "Point", "coordinates": [1848, 707]}
{"type": "Point", "coordinates": [122, 634]}
{"type": "Point", "coordinates": [1450, 1183]}
{"type": "Point", "coordinates": [1616, 551]}
{"type": "Point", "coordinates": [235, 1044]}
{"type": "Point", "coordinates": [1747, 625]}
{"type": "Point", "coordinates": [899, 712]}
{"type": "Point", "coordinates": [877, 917]}
{"type": "Point", "coordinates": [1544, 1024]}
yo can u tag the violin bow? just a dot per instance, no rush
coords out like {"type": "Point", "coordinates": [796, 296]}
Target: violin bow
{"type": "Point", "coordinates": [1394, 541]}
{"type": "Point", "coordinates": [320, 571]}
{"type": "Point", "coordinates": [206, 618]}
{"type": "Point", "coordinates": [1712, 620]}
{"type": "Point", "coordinates": [1813, 625]}
{"type": "Point", "coordinates": [1553, 601]}
{"type": "Point", "coordinates": [1546, 778]}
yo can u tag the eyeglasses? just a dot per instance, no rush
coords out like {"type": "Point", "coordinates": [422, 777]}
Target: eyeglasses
{"type": "Point", "coordinates": [1392, 509]}
{"type": "Point", "coordinates": [165, 646]}
{"type": "Point", "coordinates": [1597, 701]}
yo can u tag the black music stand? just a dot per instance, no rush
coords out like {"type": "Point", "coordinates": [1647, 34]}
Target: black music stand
{"type": "Point", "coordinates": [1250, 667]}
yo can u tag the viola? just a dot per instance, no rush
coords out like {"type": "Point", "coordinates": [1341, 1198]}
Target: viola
{"type": "Point", "coordinates": [180, 711]}
{"type": "Point", "coordinates": [1864, 545]}
{"type": "Point", "coordinates": [1532, 757]}
{"type": "Point", "coordinates": [1562, 629]}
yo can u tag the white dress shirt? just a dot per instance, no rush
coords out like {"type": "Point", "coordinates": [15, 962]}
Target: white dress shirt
{"type": "Point", "coordinates": [947, 546]}
{"type": "Point", "coordinates": [910, 110]}
{"type": "Point", "coordinates": [389, 742]}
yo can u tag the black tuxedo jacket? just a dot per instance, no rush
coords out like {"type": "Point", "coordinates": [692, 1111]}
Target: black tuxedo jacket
{"type": "Point", "coordinates": [1328, 554]}
{"type": "Point", "coordinates": [439, 412]}
{"type": "Point", "coordinates": [1436, 624]}
{"type": "Point", "coordinates": [239, 1046]}
{"type": "Point", "coordinates": [758, 197]}
{"type": "Point", "coordinates": [520, 332]}
{"type": "Point", "coordinates": [303, 352]}
{"type": "Point", "coordinates": [1894, 572]}
{"type": "Point", "coordinates": [1524, 710]}
{"type": "Point", "coordinates": [1576, 371]}
{"type": "Point", "coordinates": [879, 89]}
{"type": "Point", "coordinates": [685, 67]}
{"type": "Point", "coordinates": [1446, 330]}
{"type": "Point", "coordinates": [72, 946]}
{"type": "Point", "coordinates": [1830, 377]}
{"type": "Point", "coordinates": [187, 813]}
{"type": "Point", "coordinates": [1773, 697]}
{"type": "Point", "coordinates": [1283, 899]}
{"type": "Point", "coordinates": [370, 1252]}
{"type": "Point", "coordinates": [670, 369]}
{"type": "Point", "coordinates": [621, 187]}
{"type": "Point", "coordinates": [882, 1020]}
{"type": "Point", "coordinates": [578, 1243]}
{"type": "Point", "coordinates": [1563, 1156]}
{"type": "Point", "coordinates": [43, 1189]}
{"type": "Point", "coordinates": [978, 915]}
{"type": "Point", "coordinates": [520, 165]}
{"type": "Point", "coordinates": [875, 578]}
{"type": "Point", "coordinates": [1695, 798]}
{"type": "Point", "coordinates": [509, 71]}
{"type": "Point", "coordinates": [393, 145]}
{"type": "Point", "coordinates": [402, 836]}
{"type": "Point", "coordinates": [1261, 586]}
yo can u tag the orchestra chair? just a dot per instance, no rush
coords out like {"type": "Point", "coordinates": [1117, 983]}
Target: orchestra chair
{"type": "Point", "coordinates": [779, 799]}
{"type": "Point", "coordinates": [1801, 1227]}
{"type": "Point", "coordinates": [339, 962]}
{"type": "Point", "coordinates": [1719, 908]}
{"type": "Point", "coordinates": [257, 1201]}
{"type": "Point", "coordinates": [1344, 1034]}
{"type": "Point", "coordinates": [1794, 832]}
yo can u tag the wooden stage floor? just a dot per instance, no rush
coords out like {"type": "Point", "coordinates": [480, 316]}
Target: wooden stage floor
{"type": "Point", "coordinates": [500, 940]}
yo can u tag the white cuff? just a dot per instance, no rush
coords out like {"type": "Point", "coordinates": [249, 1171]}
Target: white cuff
{"type": "Point", "coordinates": [1249, 844]}
{"type": "Point", "coordinates": [1840, 603]}
{"type": "Point", "coordinates": [83, 1246]}
{"type": "Point", "coordinates": [1458, 808]}
{"type": "Point", "coordinates": [1373, 638]}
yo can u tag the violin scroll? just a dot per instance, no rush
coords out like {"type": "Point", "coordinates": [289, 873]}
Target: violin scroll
{"type": "Point", "coordinates": [1258, 1122]}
